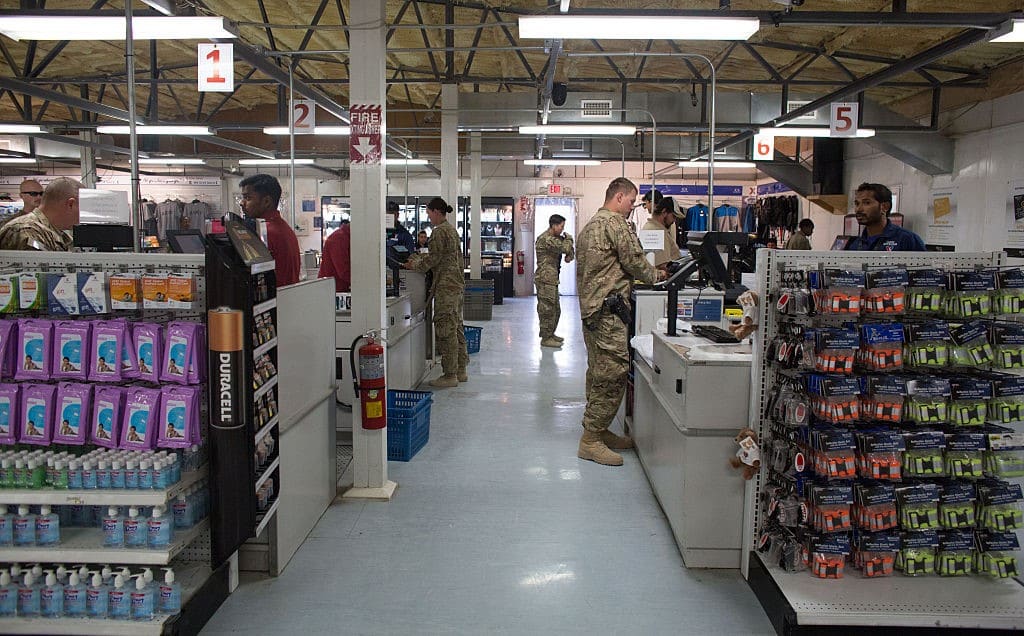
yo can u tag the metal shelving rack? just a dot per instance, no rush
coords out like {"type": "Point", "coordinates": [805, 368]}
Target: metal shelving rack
{"type": "Point", "coordinates": [204, 587]}
{"type": "Point", "coordinates": [797, 602]}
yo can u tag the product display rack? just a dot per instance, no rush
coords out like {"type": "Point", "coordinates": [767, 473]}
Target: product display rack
{"type": "Point", "coordinates": [204, 587]}
{"type": "Point", "coordinates": [797, 602]}
{"type": "Point", "coordinates": [246, 287]}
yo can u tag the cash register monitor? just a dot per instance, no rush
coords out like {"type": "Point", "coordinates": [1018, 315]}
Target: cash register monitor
{"type": "Point", "coordinates": [186, 241]}
{"type": "Point", "coordinates": [705, 254]}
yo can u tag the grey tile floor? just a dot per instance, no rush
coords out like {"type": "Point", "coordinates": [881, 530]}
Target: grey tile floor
{"type": "Point", "coordinates": [497, 527]}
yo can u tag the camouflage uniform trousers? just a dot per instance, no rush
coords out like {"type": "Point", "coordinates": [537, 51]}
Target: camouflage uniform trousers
{"type": "Point", "coordinates": [549, 309]}
{"type": "Point", "coordinates": [607, 366]}
{"type": "Point", "coordinates": [451, 337]}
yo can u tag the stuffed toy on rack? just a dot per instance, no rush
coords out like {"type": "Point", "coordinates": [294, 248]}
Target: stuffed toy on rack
{"type": "Point", "coordinates": [748, 323]}
{"type": "Point", "coordinates": [749, 454]}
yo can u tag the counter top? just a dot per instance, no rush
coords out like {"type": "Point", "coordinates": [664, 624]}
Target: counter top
{"type": "Point", "coordinates": [694, 349]}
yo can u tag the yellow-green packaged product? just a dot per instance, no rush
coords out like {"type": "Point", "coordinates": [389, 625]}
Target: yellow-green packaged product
{"type": "Point", "coordinates": [8, 293]}
{"type": "Point", "coordinates": [32, 290]}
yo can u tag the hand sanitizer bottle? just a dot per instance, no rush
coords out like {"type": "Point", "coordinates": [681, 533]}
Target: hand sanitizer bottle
{"type": "Point", "coordinates": [88, 475]}
{"type": "Point", "coordinates": [24, 527]}
{"type": "Point", "coordinates": [113, 529]}
{"type": "Point", "coordinates": [131, 475]}
{"type": "Point", "coordinates": [117, 474]}
{"type": "Point", "coordinates": [47, 527]}
{"type": "Point", "coordinates": [8, 595]}
{"type": "Point", "coordinates": [169, 601]}
{"type": "Point", "coordinates": [135, 532]}
{"type": "Point", "coordinates": [180, 508]}
{"type": "Point", "coordinates": [6, 527]}
{"type": "Point", "coordinates": [108, 575]}
{"type": "Point", "coordinates": [7, 473]}
{"type": "Point", "coordinates": [142, 601]}
{"type": "Point", "coordinates": [51, 597]}
{"type": "Point", "coordinates": [75, 475]}
{"type": "Point", "coordinates": [103, 475]}
{"type": "Point", "coordinates": [74, 596]}
{"type": "Point", "coordinates": [62, 574]}
{"type": "Point", "coordinates": [97, 598]}
{"type": "Point", "coordinates": [161, 528]}
{"type": "Point", "coordinates": [160, 474]}
{"type": "Point", "coordinates": [146, 475]}
{"type": "Point", "coordinates": [119, 607]}
{"type": "Point", "coordinates": [175, 468]}
{"type": "Point", "coordinates": [28, 597]}
{"type": "Point", "coordinates": [60, 475]}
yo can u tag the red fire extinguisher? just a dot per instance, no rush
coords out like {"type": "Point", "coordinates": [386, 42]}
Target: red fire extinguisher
{"type": "Point", "coordinates": [521, 262]}
{"type": "Point", "coordinates": [369, 382]}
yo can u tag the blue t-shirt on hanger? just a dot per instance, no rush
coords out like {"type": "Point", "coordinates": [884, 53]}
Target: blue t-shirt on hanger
{"type": "Point", "coordinates": [697, 218]}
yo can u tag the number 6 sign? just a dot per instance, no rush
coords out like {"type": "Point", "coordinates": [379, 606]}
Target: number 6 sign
{"type": "Point", "coordinates": [843, 122]}
{"type": "Point", "coordinates": [216, 68]}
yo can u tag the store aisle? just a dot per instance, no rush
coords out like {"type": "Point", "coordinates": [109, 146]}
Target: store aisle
{"type": "Point", "coordinates": [497, 527]}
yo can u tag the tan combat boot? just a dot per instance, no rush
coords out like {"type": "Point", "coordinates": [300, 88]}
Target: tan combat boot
{"type": "Point", "coordinates": [558, 338]}
{"type": "Point", "coordinates": [445, 382]}
{"type": "Point", "coordinates": [593, 449]}
{"type": "Point", "coordinates": [463, 376]}
{"type": "Point", "coordinates": [615, 442]}
{"type": "Point", "coordinates": [550, 342]}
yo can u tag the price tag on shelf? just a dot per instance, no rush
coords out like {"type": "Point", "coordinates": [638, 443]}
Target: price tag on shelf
{"type": "Point", "coordinates": [216, 68]}
{"type": "Point", "coordinates": [843, 119]}
{"type": "Point", "coordinates": [75, 501]}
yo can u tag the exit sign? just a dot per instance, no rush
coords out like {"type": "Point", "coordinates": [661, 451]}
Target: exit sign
{"type": "Point", "coordinates": [555, 188]}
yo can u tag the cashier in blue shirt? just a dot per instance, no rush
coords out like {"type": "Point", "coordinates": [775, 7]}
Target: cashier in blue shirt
{"type": "Point", "coordinates": [872, 206]}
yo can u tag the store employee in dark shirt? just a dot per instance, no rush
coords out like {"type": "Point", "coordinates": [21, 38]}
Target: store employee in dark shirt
{"type": "Point", "coordinates": [872, 206]}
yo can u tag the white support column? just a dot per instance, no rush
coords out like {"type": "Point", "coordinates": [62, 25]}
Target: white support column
{"type": "Point", "coordinates": [450, 147]}
{"type": "Point", "coordinates": [367, 183]}
{"type": "Point", "coordinates": [475, 203]}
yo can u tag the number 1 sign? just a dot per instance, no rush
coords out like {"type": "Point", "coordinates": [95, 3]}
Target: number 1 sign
{"type": "Point", "coordinates": [216, 68]}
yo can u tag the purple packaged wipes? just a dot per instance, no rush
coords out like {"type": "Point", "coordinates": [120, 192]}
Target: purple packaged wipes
{"type": "Point", "coordinates": [70, 349]}
{"type": "Point", "coordinates": [138, 424]}
{"type": "Point", "coordinates": [181, 340]}
{"type": "Point", "coordinates": [197, 364]}
{"type": "Point", "coordinates": [8, 347]}
{"type": "Point", "coordinates": [147, 342]}
{"type": "Point", "coordinates": [129, 361]}
{"type": "Point", "coordinates": [36, 414]}
{"type": "Point", "coordinates": [179, 416]}
{"type": "Point", "coordinates": [73, 409]}
{"type": "Point", "coordinates": [105, 352]}
{"type": "Point", "coordinates": [33, 352]}
{"type": "Point", "coordinates": [105, 423]}
{"type": "Point", "coordinates": [9, 410]}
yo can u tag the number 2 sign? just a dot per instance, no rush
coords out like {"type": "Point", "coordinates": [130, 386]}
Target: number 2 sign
{"type": "Point", "coordinates": [304, 117]}
{"type": "Point", "coordinates": [843, 122]}
{"type": "Point", "coordinates": [216, 68]}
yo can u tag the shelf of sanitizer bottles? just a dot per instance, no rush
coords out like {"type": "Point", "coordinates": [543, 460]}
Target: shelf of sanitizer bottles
{"type": "Point", "coordinates": [190, 576]}
{"type": "Point", "coordinates": [105, 497]}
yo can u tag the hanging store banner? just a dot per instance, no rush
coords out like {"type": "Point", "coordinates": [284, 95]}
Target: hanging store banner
{"type": "Point", "coordinates": [364, 141]}
{"type": "Point", "coordinates": [843, 119]}
{"type": "Point", "coordinates": [942, 217]}
{"type": "Point", "coordinates": [764, 147]}
{"type": "Point", "coordinates": [216, 68]}
{"type": "Point", "coordinates": [304, 117]}
{"type": "Point", "coordinates": [1015, 220]}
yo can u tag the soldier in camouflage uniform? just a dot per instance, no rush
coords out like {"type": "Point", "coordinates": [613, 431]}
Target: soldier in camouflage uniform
{"type": "Point", "coordinates": [444, 259]}
{"type": "Point", "coordinates": [45, 228]}
{"type": "Point", "coordinates": [609, 259]}
{"type": "Point", "coordinates": [551, 246]}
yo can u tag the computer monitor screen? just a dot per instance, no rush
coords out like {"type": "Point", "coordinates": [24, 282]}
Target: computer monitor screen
{"type": "Point", "coordinates": [841, 242]}
{"type": "Point", "coordinates": [705, 252]}
{"type": "Point", "coordinates": [186, 241]}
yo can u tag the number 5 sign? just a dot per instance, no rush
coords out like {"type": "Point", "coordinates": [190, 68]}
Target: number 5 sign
{"type": "Point", "coordinates": [843, 122]}
{"type": "Point", "coordinates": [216, 68]}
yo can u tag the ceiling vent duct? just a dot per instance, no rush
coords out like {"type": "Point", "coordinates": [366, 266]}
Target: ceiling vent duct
{"type": "Point", "coordinates": [596, 108]}
{"type": "Point", "coordinates": [573, 145]}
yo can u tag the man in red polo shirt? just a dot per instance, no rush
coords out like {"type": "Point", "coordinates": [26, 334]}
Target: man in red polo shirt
{"type": "Point", "coordinates": [336, 260]}
{"type": "Point", "coordinates": [260, 195]}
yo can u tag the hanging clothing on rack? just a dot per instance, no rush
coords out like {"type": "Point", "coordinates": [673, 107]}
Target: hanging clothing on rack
{"type": "Point", "coordinates": [149, 220]}
{"type": "Point", "coordinates": [168, 215]}
{"type": "Point", "coordinates": [194, 215]}
{"type": "Point", "coordinates": [727, 218]}
{"type": "Point", "coordinates": [697, 218]}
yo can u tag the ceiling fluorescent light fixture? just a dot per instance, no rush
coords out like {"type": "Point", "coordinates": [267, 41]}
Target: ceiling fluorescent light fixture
{"type": "Point", "coordinates": [796, 131]}
{"type": "Point", "coordinates": [195, 131]}
{"type": "Point", "coordinates": [405, 162]}
{"type": "Point", "coordinates": [342, 131]}
{"type": "Point", "coordinates": [561, 162]}
{"type": "Point", "coordinates": [19, 129]}
{"type": "Point", "coordinates": [580, 130]}
{"type": "Point", "coordinates": [171, 161]}
{"type": "Point", "coordinates": [1008, 32]}
{"type": "Point", "coordinates": [13, 160]}
{"type": "Point", "coordinates": [636, 27]}
{"type": "Point", "coordinates": [165, 7]}
{"type": "Point", "coordinates": [563, 6]}
{"type": "Point", "coordinates": [718, 164]}
{"type": "Point", "coordinates": [274, 162]}
{"type": "Point", "coordinates": [112, 28]}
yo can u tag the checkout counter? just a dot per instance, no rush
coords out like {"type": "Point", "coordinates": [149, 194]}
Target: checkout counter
{"type": "Point", "coordinates": [690, 398]}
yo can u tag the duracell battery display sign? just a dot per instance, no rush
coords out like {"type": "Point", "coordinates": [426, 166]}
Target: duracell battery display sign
{"type": "Point", "coordinates": [227, 373]}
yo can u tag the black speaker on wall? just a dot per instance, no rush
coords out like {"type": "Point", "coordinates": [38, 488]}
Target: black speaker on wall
{"type": "Point", "coordinates": [827, 173]}
{"type": "Point", "coordinates": [559, 92]}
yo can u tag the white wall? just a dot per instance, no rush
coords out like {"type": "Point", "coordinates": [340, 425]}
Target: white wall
{"type": "Point", "coordinates": [987, 138]}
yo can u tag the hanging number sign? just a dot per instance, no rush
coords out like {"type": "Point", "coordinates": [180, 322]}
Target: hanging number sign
{"type": "Point", "coordinates": [304, 116]}
{"type": "Point", "coordinates": [843, 121]}
{"type": "Point", "coordinates": [216, 68]}
{"type": "Point", "coordinates": [764, 148]}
